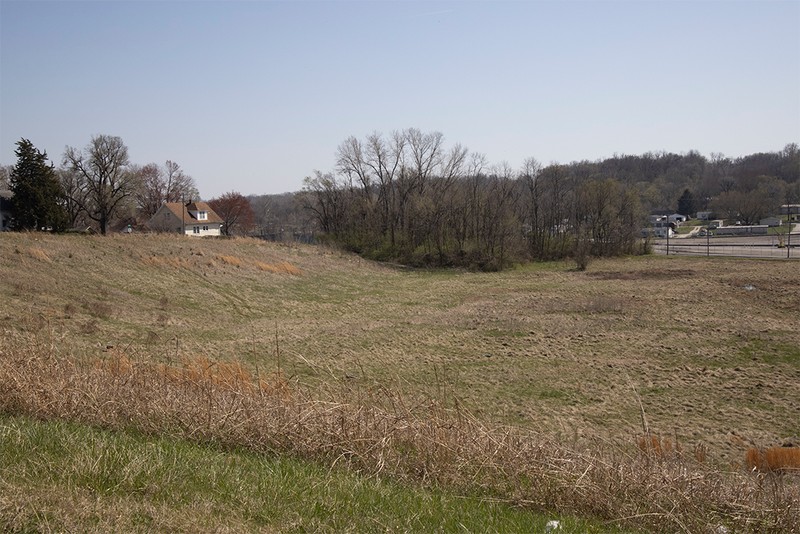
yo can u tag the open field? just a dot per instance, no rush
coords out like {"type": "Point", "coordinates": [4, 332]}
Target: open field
{"type": "Point", "coordinates": [712, 347]}
{"type": "Point", "coordinates": [707, 350]}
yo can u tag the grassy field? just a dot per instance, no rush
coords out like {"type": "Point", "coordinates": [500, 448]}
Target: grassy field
{"type": "Point", "coordinates": [704, 354]}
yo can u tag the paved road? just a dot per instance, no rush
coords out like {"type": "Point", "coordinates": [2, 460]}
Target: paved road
{"type": "Point", "coordinates": [737, 246]}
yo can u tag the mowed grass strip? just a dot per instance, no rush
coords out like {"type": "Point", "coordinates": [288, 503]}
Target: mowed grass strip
{"type": "Point", "coordinates": [65, 477]}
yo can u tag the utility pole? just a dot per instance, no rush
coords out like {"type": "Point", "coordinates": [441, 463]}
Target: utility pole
{"type": "Point", "coordinates": [789, 237]}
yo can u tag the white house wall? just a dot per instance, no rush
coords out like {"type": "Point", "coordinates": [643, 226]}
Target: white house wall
{"type": "Point", "coordinates": [212, 230]}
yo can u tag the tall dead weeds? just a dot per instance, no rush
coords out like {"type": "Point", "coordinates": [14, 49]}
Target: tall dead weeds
{"type": "Point", "coordinates": [774, 459]}
{"type": "Point", "coordinates": [379, 432]}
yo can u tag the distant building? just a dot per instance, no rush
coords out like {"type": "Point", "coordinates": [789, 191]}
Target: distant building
{"type": "Point", "coordinates": [661, 231]}
{"type": "Point", "coordinates": [792, 210]}
{"type": "Point", "coordinates": [771, 221]}
{"type": "Point", "coordinates": [195, 219]}
{"type": "Point", "coordinates": [705, 215]}
{"type": "Point", "coordinates": [665, 231]}
{"type": "Point", "coordinates": [742, 230]}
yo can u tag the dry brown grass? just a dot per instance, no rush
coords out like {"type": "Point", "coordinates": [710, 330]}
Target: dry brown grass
{"type": "Point", "coordinates": [166, 261]}
{"type": "Point", "coordinates": [279, 268]}
{"type": "Point", "coordinates": [548, 350]}
{"type": "Point", "coordinates": [200, 371]}
{"type": "Point", "coordinates": [774, 459]}
{"type": "Point", "coordinates": [39, 254]}
{"type": "Point", "coordinates": [378, 432]}
{"type": "Point", "coordinates": [282, 267]}
{"type": "Point", "coordinates": [661, 446]}
{"type": "Point", "coordinates": [230, 260]}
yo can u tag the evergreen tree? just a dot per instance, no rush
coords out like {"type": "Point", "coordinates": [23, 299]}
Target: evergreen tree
{"type": "Point", "coordinates": [37, 191]}
{"type": "Point", "coordinates": [686, 203]}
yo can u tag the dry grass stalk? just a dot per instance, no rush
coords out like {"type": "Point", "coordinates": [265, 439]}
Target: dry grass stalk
{"type": "Point", "coordinates": [39, 254]}
{"type": "Point", "coordinates": [659, 446]}
{"type": "Point", "coordinates": [230, 260]}
{"type": "Point", "coordinates": [380, 432]}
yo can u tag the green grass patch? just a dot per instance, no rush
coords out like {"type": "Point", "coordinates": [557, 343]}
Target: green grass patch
{"type": "Point", "coordinates": [63, 476]}
{"type": "Point", "coordinates": [771, 352]}
{"type": "Point", "coordinates": [502, 333]}
{"type": "Point", "coordinates": [779, 230]}
{"type": "Point", "coordinates": [553, 394]}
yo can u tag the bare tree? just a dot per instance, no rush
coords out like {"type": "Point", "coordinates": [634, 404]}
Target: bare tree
{"type": "Point", "coordinates": [178, 185]}
{"type": "Point", "coordinates": [426, 154]}
{"type": "Point", "coordinates": [104, 178]}
{"type": "Point", "coordinates": [327, 200]}
{"type": "Point", "coordinates": [351, 162]}
{"type": "Point", "coordinates": [759, 197]}
{"type": "Point", "coordinates": [535, 229]}
{"type": "Point", "coordinates": [156, 185]}
{"type": "Point", "coordinates": [280, 217]}
{"type": "Point", "coordinates": [5, 173]}
{"type": "Point", "coordinates": [149, 190]}
{"type": "Point", "coordinates": [75, 195]}
{"type": "Point", "coordinates": [385, 159]}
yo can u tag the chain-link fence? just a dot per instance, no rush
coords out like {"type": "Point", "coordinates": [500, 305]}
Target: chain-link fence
{"type": "Point", "coordinates": [766, 247]}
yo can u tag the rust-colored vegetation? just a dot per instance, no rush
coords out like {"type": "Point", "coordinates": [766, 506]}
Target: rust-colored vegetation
{"type": "Point", "coordinates": [659, 446]}
{"type": "Point", "coordinates": [278, 268]}
{"type": "Point", "coordinates": [234, 261]}
{"type": "Point", "coordinates": [774, 459]}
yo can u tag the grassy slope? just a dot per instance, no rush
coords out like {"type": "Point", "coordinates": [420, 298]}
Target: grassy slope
{"type": "Point", "coordinates": [545, 347]}
{"type": "Point", "coordinates": [542, 346]}
{"type": "Point", "coordinates": [84, 479]}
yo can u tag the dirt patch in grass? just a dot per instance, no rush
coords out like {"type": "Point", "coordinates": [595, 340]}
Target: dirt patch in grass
{"type": "Point", "coordinates": [649, 274]}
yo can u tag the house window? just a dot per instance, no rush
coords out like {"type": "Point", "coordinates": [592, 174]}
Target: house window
{"type": "Point", "coordinates": [202, 215]}
{"type": "Point", "coordinates": [205, 228]}
{"type": "Point", "coordinates": [197, 229]}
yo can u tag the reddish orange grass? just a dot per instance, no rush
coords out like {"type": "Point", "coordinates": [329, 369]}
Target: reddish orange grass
{"type": "Point", "coordinates": [778, 459]}
{"type": "Point", "coordinates": [658, 445]}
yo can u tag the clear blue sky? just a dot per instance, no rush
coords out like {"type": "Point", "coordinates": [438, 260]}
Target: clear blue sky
{"type": "Point", "coordinates": [254, 96]}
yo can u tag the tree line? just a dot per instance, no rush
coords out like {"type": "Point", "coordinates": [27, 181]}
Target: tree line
{"type": "Point", "coordinates": [408, 198]}
{"type": "Point", "coordinates": [98, 186]}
